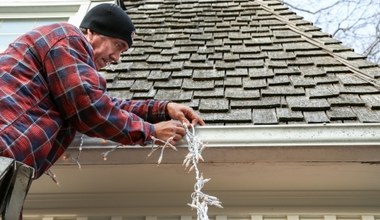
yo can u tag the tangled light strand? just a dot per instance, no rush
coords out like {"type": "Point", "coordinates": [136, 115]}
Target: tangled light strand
{"type": "Point", "coordinates": [200, 200]}
{"type": "Point", "coordinates": [165, 145]}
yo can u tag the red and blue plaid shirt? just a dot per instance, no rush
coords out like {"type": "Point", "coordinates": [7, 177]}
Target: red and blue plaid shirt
{"type": "Point", "coordinates": [49, 89]}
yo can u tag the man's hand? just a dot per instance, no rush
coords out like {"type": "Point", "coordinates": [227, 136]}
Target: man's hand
{"type": "Point", "coordinates": [167, 129]}
{"type": "Point", "coordinates": [184, 114]}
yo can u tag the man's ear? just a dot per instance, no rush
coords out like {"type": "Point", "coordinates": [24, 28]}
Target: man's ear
{"type": "Point", "coordinates": [90, 34]}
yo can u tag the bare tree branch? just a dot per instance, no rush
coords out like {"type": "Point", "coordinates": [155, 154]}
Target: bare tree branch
{"type": "Point", "coordinates": [354, 22]}
{"type": "Point", "coordinates": [308, 11]}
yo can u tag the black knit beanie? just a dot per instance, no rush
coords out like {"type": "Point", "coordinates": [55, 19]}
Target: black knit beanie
{"type": "Point", "coordinates": [109, 20]}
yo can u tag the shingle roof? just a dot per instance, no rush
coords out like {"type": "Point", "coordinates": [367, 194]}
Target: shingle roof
{"type": "Point", "coordinates": [244, 62]}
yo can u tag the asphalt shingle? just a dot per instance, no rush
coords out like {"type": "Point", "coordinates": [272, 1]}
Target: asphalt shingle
{"type": "Point", "coordinates": [244, 62]}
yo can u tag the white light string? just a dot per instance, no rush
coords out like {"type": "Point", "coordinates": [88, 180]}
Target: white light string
{"type": "Point", "coordinates": [52, 175]}
{"type": "Point", "coordinates": [76, 159]}
{"type": "Point", "coordinates": [163, 146]}
{"type": "Point", "coordinates": [105, 154]}
{"type": "Point", "coordinates": [200, 200]}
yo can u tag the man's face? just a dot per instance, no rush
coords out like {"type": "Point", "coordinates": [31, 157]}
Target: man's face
{"type": "Point", "coordinates": [106, 49]}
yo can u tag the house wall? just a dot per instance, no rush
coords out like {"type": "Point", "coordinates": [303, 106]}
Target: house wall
{"type": "Point", "coordinates": [281, 211]}
{"type": "Point", "coordinates": [245, 216]}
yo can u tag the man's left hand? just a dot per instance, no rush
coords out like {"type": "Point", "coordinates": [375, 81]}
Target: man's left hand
{"type": "Point", "coordinates": [184, 114]}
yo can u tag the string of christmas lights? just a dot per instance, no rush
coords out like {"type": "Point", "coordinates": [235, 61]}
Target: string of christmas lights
{"type": "Point", "coordinates": [200, 200]}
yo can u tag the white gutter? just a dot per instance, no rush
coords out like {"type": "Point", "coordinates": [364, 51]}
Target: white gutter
{"type": "Point", "coordinates": [273, 135]}
{"type": "Point", "coordinates": [292, 135]}
{"type": "Point", "coordinates": [251, 144]}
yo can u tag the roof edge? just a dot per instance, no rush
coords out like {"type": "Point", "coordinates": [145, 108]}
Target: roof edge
{"type": "Point", "coordinates": [327, 143]}
{"type": "Point", "coordinates": [270, 135]}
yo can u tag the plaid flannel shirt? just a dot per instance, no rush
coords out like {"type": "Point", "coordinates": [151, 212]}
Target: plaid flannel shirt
{"type": "Point", "coordinates": [49, 89]}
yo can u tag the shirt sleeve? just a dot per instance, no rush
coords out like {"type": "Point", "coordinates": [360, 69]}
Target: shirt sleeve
{"type": "Point", "coordinates": [79, 93]}
{"type": "Point", "coordinates": [150, 110]}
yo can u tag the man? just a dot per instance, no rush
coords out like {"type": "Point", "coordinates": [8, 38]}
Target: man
{"type": "Point", "coordinates": [50, 88]}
